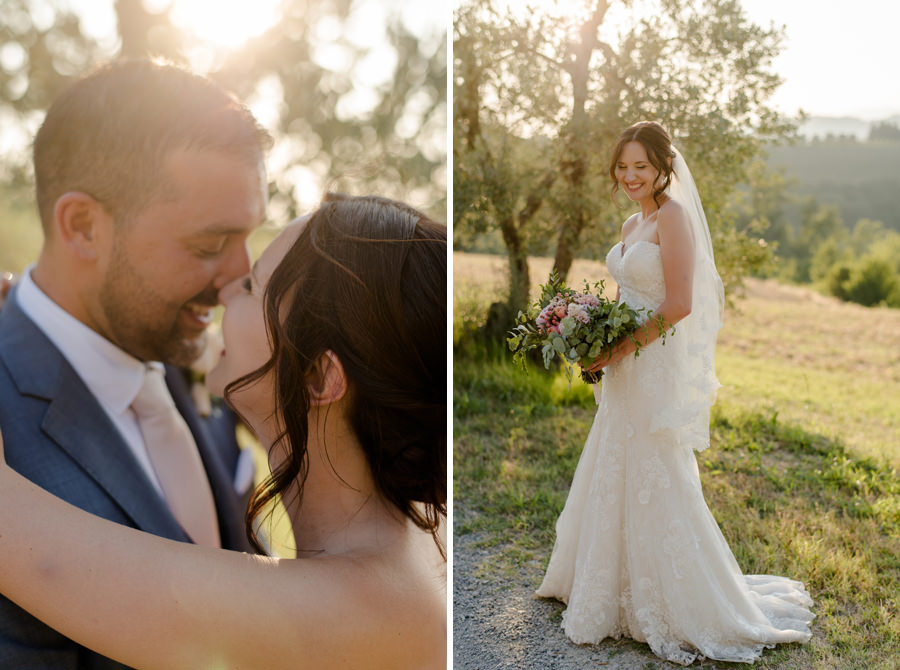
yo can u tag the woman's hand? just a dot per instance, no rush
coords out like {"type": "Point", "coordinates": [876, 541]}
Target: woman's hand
{"type": "Point", "coordinates": [2, 456]}
{"type": "Point", "coordinates": [615, 353]}
{"type": "Point", "coordinates": [7, 281]}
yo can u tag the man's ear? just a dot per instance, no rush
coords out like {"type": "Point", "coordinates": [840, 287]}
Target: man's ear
{"type": "Point", "coordinates": [79, 222]}
{"type": "Point", "coordinates": [326, 381]}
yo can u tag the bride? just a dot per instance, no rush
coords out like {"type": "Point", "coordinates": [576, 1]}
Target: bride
{"type": "Point", "coordinates": [638, 553]}
{"type": "Point", "coordinates": [336, 358]}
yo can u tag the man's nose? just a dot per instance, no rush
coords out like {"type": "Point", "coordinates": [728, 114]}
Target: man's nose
{"type": "Point", "coordinates": [229, 290]}
{"type": "Point", "coordinates": [237, 264]}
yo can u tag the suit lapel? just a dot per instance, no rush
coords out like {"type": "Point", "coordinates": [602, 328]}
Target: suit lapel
{"type": "Point", "coordinates": [76, 422]}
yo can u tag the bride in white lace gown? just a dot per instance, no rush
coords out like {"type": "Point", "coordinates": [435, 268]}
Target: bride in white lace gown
{"type": "Point", "coordinates": [638, 553]}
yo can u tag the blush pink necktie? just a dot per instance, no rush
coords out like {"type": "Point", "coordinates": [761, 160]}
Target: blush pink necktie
{"type": "Point", "coordinates": [176, 460]}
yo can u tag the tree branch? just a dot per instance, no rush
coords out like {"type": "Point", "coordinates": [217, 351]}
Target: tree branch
{"type": "Point", "coordinates": [536, 198]}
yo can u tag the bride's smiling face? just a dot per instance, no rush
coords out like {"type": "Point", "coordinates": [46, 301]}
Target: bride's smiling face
{"type": "Point", "coordinates": [247, 345]}
{"type": "Point", "coordinates": [635, 173]}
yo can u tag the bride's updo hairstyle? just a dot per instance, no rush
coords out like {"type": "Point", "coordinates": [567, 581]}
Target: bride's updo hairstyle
{"type": "Point", "coordinates": [658, 145]}
{"type": "Point", "coordinates": [367, 280]}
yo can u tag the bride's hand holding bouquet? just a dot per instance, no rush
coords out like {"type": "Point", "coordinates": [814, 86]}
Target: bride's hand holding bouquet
{"type": "Point", "coordinates": [580, 327]}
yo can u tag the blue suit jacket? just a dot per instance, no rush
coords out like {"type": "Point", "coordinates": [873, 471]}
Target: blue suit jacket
{"type": "Point", "coordinates": [56, 434]}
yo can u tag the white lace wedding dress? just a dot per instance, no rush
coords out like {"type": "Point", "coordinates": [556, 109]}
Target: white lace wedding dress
{"type": "Point", "coordinates": [638, 553]}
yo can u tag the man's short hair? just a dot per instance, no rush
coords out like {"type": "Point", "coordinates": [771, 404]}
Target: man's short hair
{"type": "Point", "coordinates": [109, 133]}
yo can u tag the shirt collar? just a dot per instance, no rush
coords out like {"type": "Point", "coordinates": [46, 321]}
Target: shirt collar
{"type": "Point", "coordinates": [113, 376]}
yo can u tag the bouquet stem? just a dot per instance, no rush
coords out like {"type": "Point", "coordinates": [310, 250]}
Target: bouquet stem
{"type": "Point", "coordinates": [591, 377]}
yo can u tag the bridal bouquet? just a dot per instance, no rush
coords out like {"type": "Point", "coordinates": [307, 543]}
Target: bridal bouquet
{"type": "Point", "coordinates": [576, 326]}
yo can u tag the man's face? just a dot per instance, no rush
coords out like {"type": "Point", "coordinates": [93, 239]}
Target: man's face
{"type": "Point", "coordinates": [169, 261]}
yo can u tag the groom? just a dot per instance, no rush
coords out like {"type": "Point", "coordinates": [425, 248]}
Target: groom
{"type": "Point", "coordinates": [149, 181]}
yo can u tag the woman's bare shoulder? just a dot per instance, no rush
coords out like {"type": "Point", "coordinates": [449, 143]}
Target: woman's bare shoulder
{"type": "Point", "coordinates": [671, 210]}
{"type": "Point", "coordinates": [672, 220]}
{"type": "Point", "coordinates": [629, 224]}
{"type": "Point", "coordinates": [389, 609]}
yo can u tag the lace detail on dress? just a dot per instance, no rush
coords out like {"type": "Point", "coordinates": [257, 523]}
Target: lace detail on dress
{"type": "Point", "coordinates": [653, 476]}
{"type": "Point", "coordinates": [675, 547]}
{"type": "Point", "coordinates": [637, 551]}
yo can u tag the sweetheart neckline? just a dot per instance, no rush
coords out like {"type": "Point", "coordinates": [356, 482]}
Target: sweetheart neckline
{"type": "Point", "coordinates": [634, 244]}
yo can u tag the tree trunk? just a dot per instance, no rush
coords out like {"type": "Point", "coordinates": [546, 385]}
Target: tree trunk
{"type": "Point", "coordinates": [565, 248]}
{"type": "Point", "coordinates": [501, 316]}
{"type": "Point", "coordinates": [517, 261]}
{"type": "Point", "coordinates": [144, 34]}
{"type": "Point", "coordinates": [574, 161]}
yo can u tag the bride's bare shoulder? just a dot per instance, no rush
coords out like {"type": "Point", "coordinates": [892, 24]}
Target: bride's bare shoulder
{"type": "Point", "coordinates": [387, 610]}
{"type": "Point", "coordinates": [671, 209]}
{"type": "Point", "coordinates": [629, 224]}
{"type": "Point", "coordinates": [408, 593]}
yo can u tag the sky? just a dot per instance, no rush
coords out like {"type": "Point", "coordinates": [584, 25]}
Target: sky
{"type": "Point", "coordinates": [838, 59]}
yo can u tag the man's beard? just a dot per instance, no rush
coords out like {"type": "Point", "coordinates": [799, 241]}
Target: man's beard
{"type": "Point", "coordinates": [144, 323]}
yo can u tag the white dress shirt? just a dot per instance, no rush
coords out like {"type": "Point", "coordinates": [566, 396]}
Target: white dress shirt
{"type": "Point", "coordinates": [112, 376]}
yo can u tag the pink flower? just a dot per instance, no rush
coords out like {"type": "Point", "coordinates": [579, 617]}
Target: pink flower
{"type": "Point", "coordinates": [587, 299]}
{"type": "Point", "coordinates": [579, 313]}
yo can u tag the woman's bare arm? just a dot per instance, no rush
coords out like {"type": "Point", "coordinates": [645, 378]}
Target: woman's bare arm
{"type": "Point", "coordinates": [154, 603]}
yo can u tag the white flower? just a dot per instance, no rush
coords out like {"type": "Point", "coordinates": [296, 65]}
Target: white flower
{"type": "Point", "coordinates": [212, 352]}
{"type": "Point", "coordinates": [579, 313]}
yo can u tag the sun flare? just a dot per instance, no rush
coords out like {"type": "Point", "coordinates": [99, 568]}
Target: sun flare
{"type": "Point", "coordinates": [225, 23]}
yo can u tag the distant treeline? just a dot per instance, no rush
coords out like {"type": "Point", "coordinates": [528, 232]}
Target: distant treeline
{"type": "Point", "coordinates": [834, 219]}
{"type": "Point", "coordinates": [860, 179]}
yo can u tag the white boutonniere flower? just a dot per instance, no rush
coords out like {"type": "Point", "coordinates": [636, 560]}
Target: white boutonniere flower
{"type": "Point", "coordinates": [201, 367]}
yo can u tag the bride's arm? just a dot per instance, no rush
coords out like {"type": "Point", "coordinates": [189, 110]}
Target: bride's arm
{"type": "Point", "coordinates": [149, 602]}
{"type": "Point", "coordinates": [676, 247]}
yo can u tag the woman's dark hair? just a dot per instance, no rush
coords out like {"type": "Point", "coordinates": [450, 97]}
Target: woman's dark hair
{"type": "Point", "coordinates": [367, 280]}
{"type": "Point", "coordinates": [658, 145]}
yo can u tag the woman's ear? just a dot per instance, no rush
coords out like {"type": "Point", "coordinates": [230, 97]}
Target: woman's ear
{"type": "Point", "coordinates": [326, 381]}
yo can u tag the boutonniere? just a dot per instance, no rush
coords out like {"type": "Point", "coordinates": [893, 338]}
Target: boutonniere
{"type": "Point", "coordinates": [201, 367]}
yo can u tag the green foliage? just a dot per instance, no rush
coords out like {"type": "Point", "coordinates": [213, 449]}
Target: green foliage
{"type": "Point", "coordinates": [863, 267]}
{"type": "Point", "coordinates": [871, 281]}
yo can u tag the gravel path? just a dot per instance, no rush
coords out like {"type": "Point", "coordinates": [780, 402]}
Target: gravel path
{"type": "Point", "coordinates": [498, 624]}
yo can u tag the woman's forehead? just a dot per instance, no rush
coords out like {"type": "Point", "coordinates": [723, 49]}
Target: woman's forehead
{"type": "Point", "coordinates": [633, 151]}
{"type": "Point", "coordinates": [278, 248]}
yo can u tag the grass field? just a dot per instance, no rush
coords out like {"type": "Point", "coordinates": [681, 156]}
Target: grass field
{"type": "Point", "coordinates": [801, 475]}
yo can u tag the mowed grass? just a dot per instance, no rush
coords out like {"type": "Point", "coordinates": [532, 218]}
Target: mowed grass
{"type": "Point", "coordinates": [801, 474]}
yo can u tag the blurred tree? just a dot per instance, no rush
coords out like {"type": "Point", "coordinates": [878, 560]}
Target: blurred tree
{"type": "Point", "coordinates": [818, 223]}
{"type": "Point", "coordinates": [41, 47]}
{"type": "Point", "coordinates": [700, 68]}
{"type": "Point", "coordinates": [884, 130]}
{"type": "Point", "coordinates": [334, 127]}
{"type": "Point", "coordinates": [144, 33]}
{"type": "Point", "coordinates": [393, 146]}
